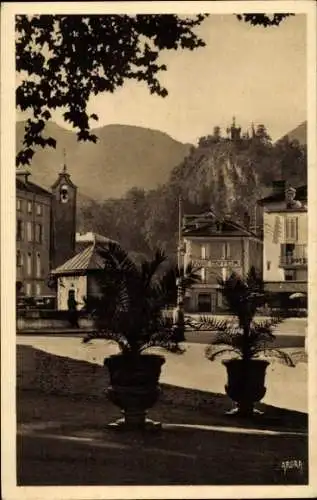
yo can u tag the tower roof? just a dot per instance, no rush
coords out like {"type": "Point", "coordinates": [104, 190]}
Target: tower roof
{"type": "Point", "coordinates": [64, 175]}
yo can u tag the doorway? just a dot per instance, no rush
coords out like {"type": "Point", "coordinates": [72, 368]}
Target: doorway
{"type": "Point", "coordinates": [204, 302]}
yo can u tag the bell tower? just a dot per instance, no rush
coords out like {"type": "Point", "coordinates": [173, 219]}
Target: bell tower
{"type": "Point", "coordinates": [63, 218]}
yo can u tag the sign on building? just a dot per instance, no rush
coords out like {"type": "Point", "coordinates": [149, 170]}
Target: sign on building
{"type": "Point", "coordinates": [221, 263]}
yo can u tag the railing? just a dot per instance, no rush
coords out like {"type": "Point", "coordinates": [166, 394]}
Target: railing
{"type": "Point", "coordinates": [293, 260]}
{"type": "Point", "coordinates": [293, 255]}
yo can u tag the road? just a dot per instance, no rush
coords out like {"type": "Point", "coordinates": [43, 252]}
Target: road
{"type": "Point", "coordinates": [289, 333]}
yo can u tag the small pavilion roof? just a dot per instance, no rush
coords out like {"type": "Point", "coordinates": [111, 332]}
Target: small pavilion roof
{"type": "Point", "coordinates": [89, 259]}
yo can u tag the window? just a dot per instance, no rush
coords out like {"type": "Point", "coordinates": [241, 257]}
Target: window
{"type": "Point", "coordinates": [290, 275]}
{"type": "Point", "coordinates": [220, 301]}
{"type": "Point", "coordinates": [20, 230]}
{"type": "Point", "coordinates": [291, 228]}
{"type": "Point", "coordinates": [29, 207]}
{"type": "Point", "coordinates": [19, 205]}
{"type": "Point", "coordinates": [38, 233]}
{"type": "Point", "coordinates": [268, 265]}
{"type": "Point", "coordinates": [28, 289]}
{"type": "Point", "coordinates": [19, 258]}
{"type": "Point", "coordinates": [38, 289]}
{"type": "Point", "coordinates": [29, 230]}
{"type": "Point", "coordinates": [226, 250]}
{"type": "Point", "coordinates": [203, 251]}
{"type": "Point", "coordinates": [38, 265]}
{"type": "Point", "coordinates": [287, 253]}
{"type": "Point", "coordinates": [64, 193]}
{"type": "Point", "coordinates": [277, 230]}
{"type": "Point", "coordinates": [39, 209]}
{"type": "Point", "coordinates": [203, 274]}
{"type": "Point", "coordinates": [29, 264]}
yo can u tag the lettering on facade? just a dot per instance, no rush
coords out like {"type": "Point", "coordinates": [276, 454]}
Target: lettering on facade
{"type": "Point", "coordinates": [216, 263]}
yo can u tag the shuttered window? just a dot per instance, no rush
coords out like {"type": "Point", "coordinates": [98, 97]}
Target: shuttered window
{"type": "Point", "coordinates": [38, 265]}
{"type": "Point", "coordinates": [226, 250]}
{"type": "Point", "coordinates": [291, 228]}
{"type": "Point", "coordinates": [29, 231]}
{"type": "Point", "coordinates": [29, 264]}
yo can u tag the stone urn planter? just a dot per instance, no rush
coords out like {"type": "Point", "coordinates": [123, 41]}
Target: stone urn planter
{"type": "Point", "coordinates": [134, 388]}
{"type": "Point", "coordinates": [128, 308]}
{"type": "Point", "coordinates": [246, 338]}
{"type": "Point", "coordinates": [245, 384]}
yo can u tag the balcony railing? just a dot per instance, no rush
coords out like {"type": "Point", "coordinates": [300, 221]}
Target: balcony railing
{"type": "Point", "coordinates": [293, 260]}
{"type": "Point", "coordinates": [293, 255]}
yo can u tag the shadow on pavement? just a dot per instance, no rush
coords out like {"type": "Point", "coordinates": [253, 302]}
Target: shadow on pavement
{"type": "Point", "coordinates": [62, 414]}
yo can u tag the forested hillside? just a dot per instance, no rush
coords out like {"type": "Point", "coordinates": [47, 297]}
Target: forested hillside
{"type": "Point", "coordinates": [226, 173]}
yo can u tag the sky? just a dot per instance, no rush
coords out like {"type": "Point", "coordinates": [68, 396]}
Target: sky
{"type": "Point", "coordinates": [256, 74]}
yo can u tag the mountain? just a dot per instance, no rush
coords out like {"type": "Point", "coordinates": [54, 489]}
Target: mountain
{"type": "Point", "coordinates": [124, 156]}
{"type": "Point", "coordinates": [299, 133]}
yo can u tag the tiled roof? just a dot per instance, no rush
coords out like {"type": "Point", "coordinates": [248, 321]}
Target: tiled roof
{"type": "Point", "coordinates": [200, 226]}
{"type": "Point", "coordinates": [301, 195]}
{"type": "Point", "coordinates": [30, 187]}
{"type": "Point", "coordinates": [88, 259]}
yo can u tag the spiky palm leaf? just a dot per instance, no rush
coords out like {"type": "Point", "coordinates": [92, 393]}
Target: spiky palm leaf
{"type": "Point", "coordinates": [129, 308]}
{"type": "Point", "coordinates": [246, 337]}
{"type": "Point", "coordinates": [166, 283]}
{"type": "Point", "coordinates": [212, 352]}
{"type": "Point", "coordinates": [275, 353]}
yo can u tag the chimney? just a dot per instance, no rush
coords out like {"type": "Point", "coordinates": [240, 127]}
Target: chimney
{"type": "Point", "coordinates": [278, 187]}
{"type": "Point", "coordinates": [23, 174]}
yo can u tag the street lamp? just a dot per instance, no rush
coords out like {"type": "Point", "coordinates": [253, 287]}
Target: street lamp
{"type": "Point", "coordinates": [178, 317]}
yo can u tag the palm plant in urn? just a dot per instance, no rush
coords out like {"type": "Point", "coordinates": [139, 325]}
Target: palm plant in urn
{"type": "Point", "coordinates": [129, 310]}
{"type": "Point", "coordinates": [247, 339]}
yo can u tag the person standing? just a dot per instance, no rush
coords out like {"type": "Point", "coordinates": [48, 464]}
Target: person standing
{"type": "Point", "coordinates": [72, 309]}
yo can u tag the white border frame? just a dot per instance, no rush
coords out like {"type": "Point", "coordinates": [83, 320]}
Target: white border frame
{"type": "Point", "coordinates": [8, 330]}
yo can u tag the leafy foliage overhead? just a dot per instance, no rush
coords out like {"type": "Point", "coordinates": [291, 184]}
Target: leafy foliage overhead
{"type": "Point", "coordinates": [263, 19]}
{"type": "Point", "coordinates": [66, 59]}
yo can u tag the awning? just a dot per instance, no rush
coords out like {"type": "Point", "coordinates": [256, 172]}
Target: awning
{"type": "Point", "coordinates": [297, 295]}
{"type": "Point", "coordinates": [286, 286]}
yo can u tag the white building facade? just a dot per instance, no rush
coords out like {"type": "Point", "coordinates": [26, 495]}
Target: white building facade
{"type": "Point", "coordinates": [218, 248]}
{"type": "Point", "coordinates": [285, 240]}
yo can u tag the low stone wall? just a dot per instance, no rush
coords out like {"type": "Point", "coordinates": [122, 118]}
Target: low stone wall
{"type": "Point", "coordinates": [26, 323]}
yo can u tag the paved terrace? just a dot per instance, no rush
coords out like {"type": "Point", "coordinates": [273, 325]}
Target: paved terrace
{"type": "Point", "coordinates": [62, 416]}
